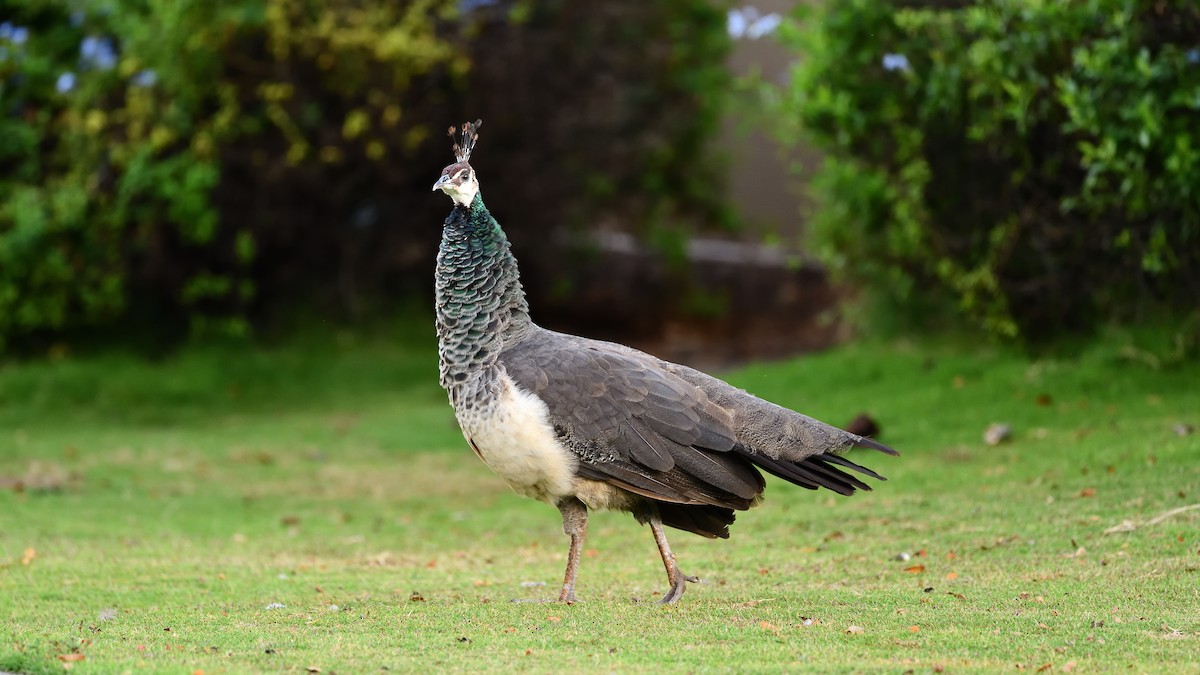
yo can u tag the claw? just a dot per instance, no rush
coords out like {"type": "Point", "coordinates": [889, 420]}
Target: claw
{"type": "Point", "coordinates": [678, 586]}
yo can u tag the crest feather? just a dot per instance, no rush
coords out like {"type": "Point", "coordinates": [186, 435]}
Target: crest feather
{"type": "Point", "coordinates": [470, 134]}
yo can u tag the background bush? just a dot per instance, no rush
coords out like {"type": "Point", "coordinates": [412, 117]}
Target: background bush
{"type": "Point", "coordinates": [193, 163]}
{"type": "Point", "coordinates": [1032, 163]}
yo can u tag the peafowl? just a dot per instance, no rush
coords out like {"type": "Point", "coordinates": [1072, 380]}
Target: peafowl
{"type": "Point", "coordinates": [583, 424]}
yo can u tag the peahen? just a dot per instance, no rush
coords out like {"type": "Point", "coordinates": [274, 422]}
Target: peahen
{"type": "Point", "coordinates": [582, 424]}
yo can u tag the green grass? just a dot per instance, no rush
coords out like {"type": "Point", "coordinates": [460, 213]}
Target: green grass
{"type": "Point", "coordinates": [180, 498]}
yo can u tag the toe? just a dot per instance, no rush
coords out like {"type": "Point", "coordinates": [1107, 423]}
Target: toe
{"type": "Point", "coordinates": [674, 594]}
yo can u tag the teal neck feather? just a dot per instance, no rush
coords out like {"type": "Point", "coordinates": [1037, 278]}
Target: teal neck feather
{"type": "Point", "coordinates": [481, 306]}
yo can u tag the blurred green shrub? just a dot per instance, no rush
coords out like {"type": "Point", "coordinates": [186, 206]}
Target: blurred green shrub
{"type": "Point", "coordinates": [190, 163]}
{"type": "Point", "coordinates": [1032, 164]}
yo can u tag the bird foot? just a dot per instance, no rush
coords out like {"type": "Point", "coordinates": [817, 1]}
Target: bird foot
{"type": "Point", "coordinates": [678, 586]}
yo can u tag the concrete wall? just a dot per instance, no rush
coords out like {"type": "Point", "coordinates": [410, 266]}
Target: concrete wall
{"type": "Point", "coordinates": [763, 182]}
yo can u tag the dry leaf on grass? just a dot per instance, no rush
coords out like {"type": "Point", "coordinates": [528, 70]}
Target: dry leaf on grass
{"type": "Point", "coordinates": [855, 630]}
{"type": "Point", "coordinates": [915, 569]}
{"type": "Point", "coordinates": [754, 603]}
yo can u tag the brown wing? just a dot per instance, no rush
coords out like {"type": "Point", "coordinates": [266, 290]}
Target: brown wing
{"type": "Point", "coordinates": [632, 423]}
{"type": "Point", "coordinates": [672, 433]}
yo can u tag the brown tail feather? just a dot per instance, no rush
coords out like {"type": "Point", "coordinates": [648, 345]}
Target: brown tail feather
{"type": "Point", "coordinates": [864, 442]}
{"type": "Point", "coordinates": [707, 521]}
{"type": "Point", "coordinates": [817, 472]}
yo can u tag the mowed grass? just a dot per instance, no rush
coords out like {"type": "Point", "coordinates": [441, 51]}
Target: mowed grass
{"type": "Point", "coordinates": [313, 506]}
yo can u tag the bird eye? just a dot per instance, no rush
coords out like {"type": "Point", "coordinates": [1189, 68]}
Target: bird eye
{"type": "Point", "coordinates": [466, 175]}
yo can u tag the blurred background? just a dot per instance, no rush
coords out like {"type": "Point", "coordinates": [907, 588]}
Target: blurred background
{"type": "Point", "coordinates": [709, 180]}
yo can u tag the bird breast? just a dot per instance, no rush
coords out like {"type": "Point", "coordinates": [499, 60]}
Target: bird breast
{"type": "Point", "coordinates": [512, 434]}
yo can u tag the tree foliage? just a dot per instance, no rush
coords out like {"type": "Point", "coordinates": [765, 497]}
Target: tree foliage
{"type": "Point", "coordinates": [1032, 163]}
{"type": "Point", "coordinates": [192, 162]}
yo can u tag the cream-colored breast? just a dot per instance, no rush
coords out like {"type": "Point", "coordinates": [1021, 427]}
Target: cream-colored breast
{"type": "Point", "coordinates": [514, 437]}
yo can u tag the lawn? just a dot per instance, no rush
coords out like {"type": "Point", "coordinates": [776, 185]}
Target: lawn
{"type": "Point", "coordinates": [311, 506]}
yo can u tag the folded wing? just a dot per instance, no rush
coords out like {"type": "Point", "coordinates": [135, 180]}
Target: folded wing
{"type": "Point", "coordinates": [671, 433]}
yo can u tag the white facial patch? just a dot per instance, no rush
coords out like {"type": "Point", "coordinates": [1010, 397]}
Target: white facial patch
{"type": "Point", "coordinates": [463, 194]}
{"type": "Point", "coordinates": [461, 186]}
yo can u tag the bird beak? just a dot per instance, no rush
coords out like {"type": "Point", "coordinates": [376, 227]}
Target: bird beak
{"type": "Point", "coordinates": [441, 182]}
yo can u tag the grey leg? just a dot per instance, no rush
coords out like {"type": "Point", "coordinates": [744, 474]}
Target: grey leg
{"type": "Point", "coordinates": [675, 576]}
{"type": "Point", "coordinates": [575, 517]}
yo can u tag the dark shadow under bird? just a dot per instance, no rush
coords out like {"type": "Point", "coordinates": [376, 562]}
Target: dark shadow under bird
{"type": "Point", "coordinates": [584, 424]}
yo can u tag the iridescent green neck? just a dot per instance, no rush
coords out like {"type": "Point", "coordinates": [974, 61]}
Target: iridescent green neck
{"type": "Point", "coordinates": [480, 306]}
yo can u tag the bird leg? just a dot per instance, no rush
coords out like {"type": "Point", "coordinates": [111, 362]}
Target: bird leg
{"type": "Point", "coordinates": [675, 576]}
{"type": "Point", "coordinates": [575, 517]}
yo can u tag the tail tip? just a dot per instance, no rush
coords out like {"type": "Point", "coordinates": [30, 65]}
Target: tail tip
{"type": "Point", "coordinates": [864, 442]}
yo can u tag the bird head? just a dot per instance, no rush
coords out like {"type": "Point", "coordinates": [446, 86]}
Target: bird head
{"type": "Point", "coordinates": [458, 180]}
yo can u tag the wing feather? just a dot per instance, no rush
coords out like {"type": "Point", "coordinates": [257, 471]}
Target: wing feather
{"type": "Point", "coordinates": [634, 424]}
{"type": "Point", "coordinates": [645, 446]}
{"type": "Point", "coordinates": [674, 434]}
